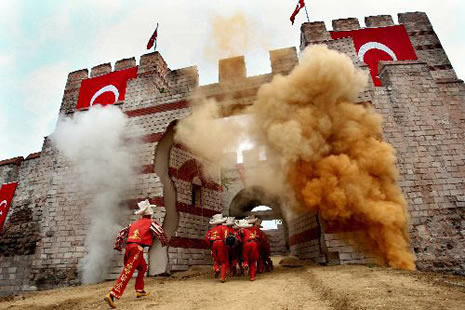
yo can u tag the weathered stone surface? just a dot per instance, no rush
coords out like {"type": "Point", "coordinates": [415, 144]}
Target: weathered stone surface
{"type": "Point", "coordinates": [423, 107]}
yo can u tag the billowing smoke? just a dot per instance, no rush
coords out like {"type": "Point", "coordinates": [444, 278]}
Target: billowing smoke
{"type": "Point", "coordinates": [332, 153]}
{"type": "Point", "coordinates": [232, 36]}
{"type": "Point", "coordinates": [95, 145]}
{"type": "Point", "coordinates": [324, 152]}
{"type": "Point", "coordinates": [209, 137]}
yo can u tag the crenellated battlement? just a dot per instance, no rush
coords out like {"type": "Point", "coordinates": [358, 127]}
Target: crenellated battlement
{"type": "Point", "coordinates": [413, 21]}
{"type": "Point", "coordinates": [421, 101]}
{"type": "Point", "coordinates": [234, 69]}
{"type": "Point", "coordinates": [379, 21]}
{"type": "Point", "coordinates": [147, 63]}
{"type": "Point", "coordinates": [424, 40]}
{"type": "Point", "coordinates": [344, 24]}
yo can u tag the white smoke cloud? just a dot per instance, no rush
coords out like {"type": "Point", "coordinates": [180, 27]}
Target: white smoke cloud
{"type": "Point", "coordinates": [95, 145]}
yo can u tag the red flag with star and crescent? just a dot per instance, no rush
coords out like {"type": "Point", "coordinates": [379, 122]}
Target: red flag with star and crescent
{"type": "Point", "coordinates": [300, 5]}
{"type": "Point", "coordinates": [153, 39]}
{"type": "Point", "coordinates": [377, 44]}
{"type": "Point", "coordinates": [7, 191]}
{"type": "Point", "coordinates": [105, 89]}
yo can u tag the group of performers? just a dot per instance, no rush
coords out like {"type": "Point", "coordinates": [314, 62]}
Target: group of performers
{"type": "Point", "coordinates": [238, 245]}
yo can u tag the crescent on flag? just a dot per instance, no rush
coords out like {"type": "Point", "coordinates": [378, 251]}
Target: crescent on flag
{"type": "Point", "coordinates": [375, 46]}
{"type": "Point", "coordinates": [3, 203]}
{"type": "Point", "coordinates": [107, 88]}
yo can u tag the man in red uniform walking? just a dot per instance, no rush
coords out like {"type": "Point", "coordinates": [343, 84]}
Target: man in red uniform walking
{"type": "Point", "coordinates": [139, 234]}
{"type": "Point", "coordinates": [264, 261]}
{"type": "Point", "coordinates": [216, 238]}
{"type": "Point", "coordinates": [250, 247]}
{"type": "Point", "coordinates": [232, 241]}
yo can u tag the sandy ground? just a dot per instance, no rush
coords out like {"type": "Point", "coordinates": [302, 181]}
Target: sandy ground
{"type": "Point", "coordinates": [306, 287]}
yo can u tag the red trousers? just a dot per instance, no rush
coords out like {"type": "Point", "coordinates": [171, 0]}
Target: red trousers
{"type": "Point", "coordinates": [220, 256]}
{"type": "Point", "coordinates": [133, 260]}
{"type": "Point", "coordinates": [250, 256]}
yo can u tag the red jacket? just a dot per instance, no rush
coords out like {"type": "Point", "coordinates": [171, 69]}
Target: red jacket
{"type": "Point", "coordinates": [219, 232]}
{"type": "Point", "coordinates": [252, 233]}
{"type": "Point", "coordinates": [141, 232]}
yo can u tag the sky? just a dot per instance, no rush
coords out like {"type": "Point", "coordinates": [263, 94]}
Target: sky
{"type": "Point", "coordinates": [42, 41]}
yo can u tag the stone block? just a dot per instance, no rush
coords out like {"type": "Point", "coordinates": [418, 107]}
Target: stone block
{"type": "Point", "coordinates": [232, 69]}
{"type": "Point", "coordinates": [346, 24]}
{"type": "Point", "coordinates": [123, 64]}
{"type": "Point", "coordinates": [379, 21]}
{"type": "Point", "coordinates": [100, 70]}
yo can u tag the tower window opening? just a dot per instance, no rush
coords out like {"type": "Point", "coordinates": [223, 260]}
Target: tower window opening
{"type": "Point", "coordinates": [196, 195]}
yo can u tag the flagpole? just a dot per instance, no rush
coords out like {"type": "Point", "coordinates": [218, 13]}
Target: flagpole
{"type": "Point", "coordinates": [156, 39]}
{"type": "Point", "coordinates": [305, 6]}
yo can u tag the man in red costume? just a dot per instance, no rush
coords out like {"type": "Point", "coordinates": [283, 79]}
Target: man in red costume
{"type": "Point", "coordinates": [264, 262]}
{"type": "Point", "coordinates": [139, 234]}
{"type": "Point", "coordinates": [216, 238]}
{"type": "Point", "coordinates": [232, 241]}
{"type": "Point", "coordinates": [250, 248]}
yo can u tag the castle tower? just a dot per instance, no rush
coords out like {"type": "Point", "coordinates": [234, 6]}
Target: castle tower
{"type": "Point", "coordinates": [422, 103]}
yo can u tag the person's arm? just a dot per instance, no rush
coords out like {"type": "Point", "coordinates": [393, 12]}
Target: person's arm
{"type": "Point", "coordinates": [122, 235]}
{"type": "Point", "coordinates": [158, 232]}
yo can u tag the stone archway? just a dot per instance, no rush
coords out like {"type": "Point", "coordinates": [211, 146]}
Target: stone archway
{"type": "Point", "coordinates": [253, 196]}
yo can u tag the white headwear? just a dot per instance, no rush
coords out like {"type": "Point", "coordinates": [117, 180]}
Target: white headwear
{"type": "Point", "coordinates": [243, 224]}
{"type": "Point", "coordinates": [229, 221]}
{"type": "Point", "coordinates": [217, 219]}
{"type": "Point", "coordinates": [252, 219]}
{"type": "Point", "coordinates": [145, 208]}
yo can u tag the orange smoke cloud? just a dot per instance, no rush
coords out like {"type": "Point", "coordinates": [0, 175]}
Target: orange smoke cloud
{"type": "Point", "coordinates": [233, 36]}
{"type": "Point", "coordinates": [332, 153]}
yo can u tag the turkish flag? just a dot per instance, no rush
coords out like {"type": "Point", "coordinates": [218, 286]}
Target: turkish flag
{"type": "Point", "coordinates": [376, 44]}
{"type": "Point", "coordinates": [300, 5]}
{"type": "Point", "coordinates": [7, 192]}
{"type": "Point", "coordinates": [105, 89]}
{"type": "Point", "coordinates": [153, 39]}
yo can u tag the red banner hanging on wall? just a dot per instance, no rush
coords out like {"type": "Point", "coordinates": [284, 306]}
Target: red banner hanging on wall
{"type": "Point", "coordinates": [376, 44]}
{"type": "Point", "coordinates": [7, 191]}
{"type": "Point", "coordinates": [105, 89]}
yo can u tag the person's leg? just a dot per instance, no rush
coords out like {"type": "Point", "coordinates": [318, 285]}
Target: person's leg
{"type": "Point", "coordinates": [261, 264]}
{"type": "Point", "coordinates": [245, 256]}
{"type": "Point", "coordinates": [132, 256]}
{"type": "Point", "coordinates": [216, 264]}
{"type": "Point", "coordinates": [223, 258]}
{"type": "Point", "coordinates": [141, 271]}
{"type": "Point", "coordinates": [240, 259]}
{"type": "Point", "coordinates": [233, 260]}
{"type": "Point", "coordinates": [253, 259]}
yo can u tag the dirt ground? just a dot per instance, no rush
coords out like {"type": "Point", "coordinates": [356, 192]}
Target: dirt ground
{"type": "Point", "coordinates": [306, 287]}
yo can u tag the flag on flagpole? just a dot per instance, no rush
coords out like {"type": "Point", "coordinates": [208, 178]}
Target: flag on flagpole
{"type": "Point", "coordinates": [153, 40]}
{"type": "Point", "coordinates": [300, 5]}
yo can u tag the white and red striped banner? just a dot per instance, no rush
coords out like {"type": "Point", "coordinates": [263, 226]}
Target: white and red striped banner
{"type": "Point", "coordinates": [7, 191]}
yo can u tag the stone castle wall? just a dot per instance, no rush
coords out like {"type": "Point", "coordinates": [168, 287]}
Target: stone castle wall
{"type": "Point", "coordinates": [423, 107]}
{"type": "Point", "coordinates": [422, 103]}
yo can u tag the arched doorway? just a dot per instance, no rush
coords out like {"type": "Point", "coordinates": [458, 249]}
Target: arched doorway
{"type": "Point", "coordinates": [255, 200]}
